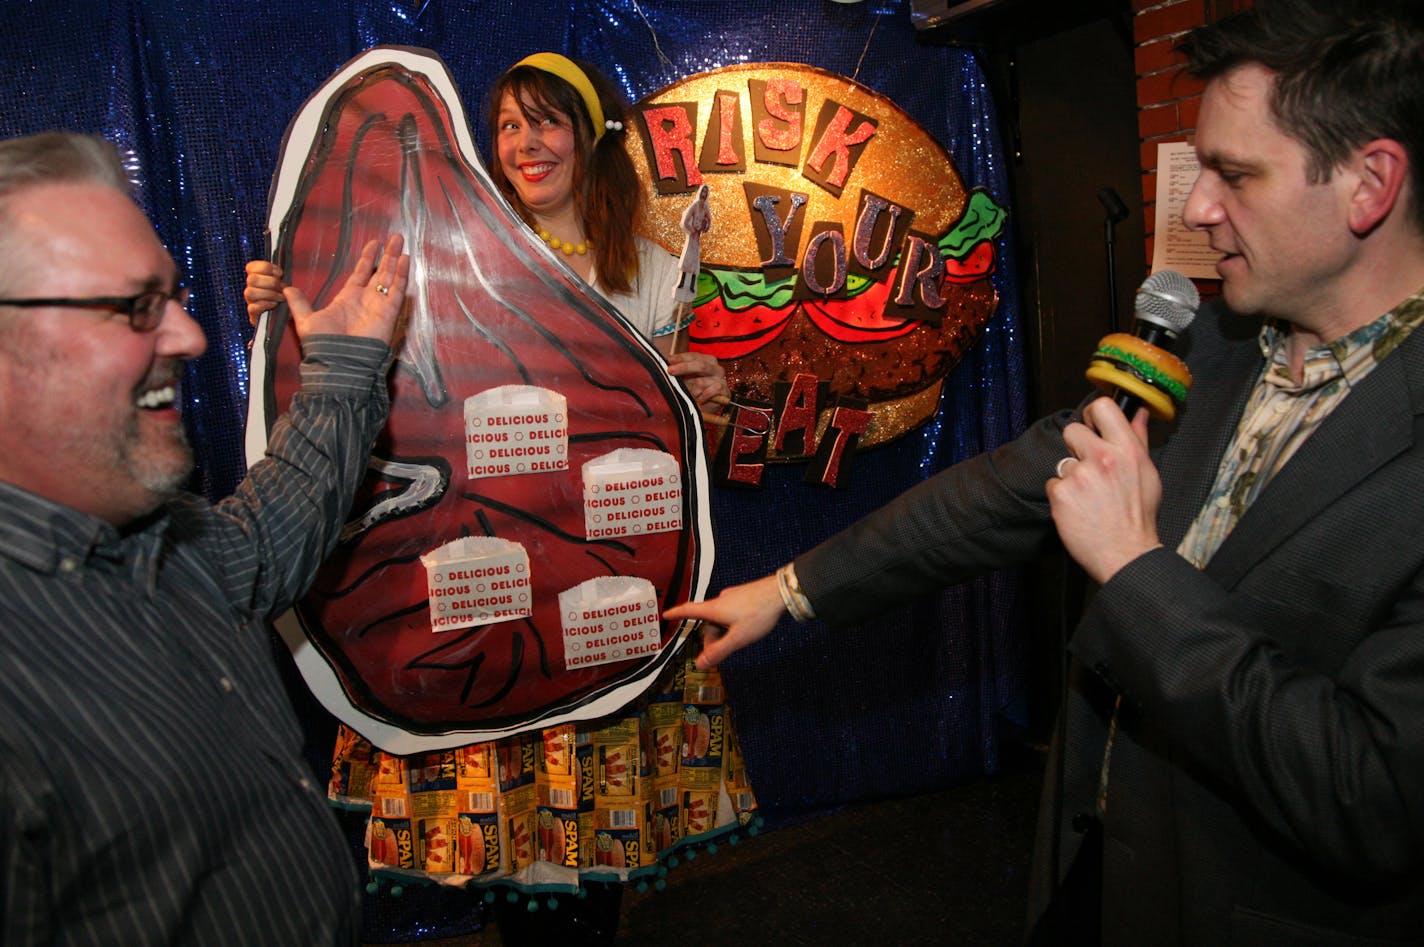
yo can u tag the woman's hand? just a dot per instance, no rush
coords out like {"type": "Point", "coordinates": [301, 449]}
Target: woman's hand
{"type": "Point", "coordinates": [703, 375]}
{"type": "Point", "coordinates": [263, 290]}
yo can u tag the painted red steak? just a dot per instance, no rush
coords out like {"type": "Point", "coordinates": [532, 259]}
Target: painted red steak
{"type": "Point", "coordinates": [384, 145]}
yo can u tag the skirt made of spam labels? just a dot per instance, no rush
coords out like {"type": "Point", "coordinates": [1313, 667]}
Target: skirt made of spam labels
{"type": "Point", "coordinates": [615, 799]}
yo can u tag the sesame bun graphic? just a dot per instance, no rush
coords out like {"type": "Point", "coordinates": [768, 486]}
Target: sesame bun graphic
{"type": "Point", "coordinates": [844, 244]}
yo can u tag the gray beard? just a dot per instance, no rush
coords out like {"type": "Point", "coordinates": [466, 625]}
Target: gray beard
{"type": "Point", "coordinates": [162, 474]}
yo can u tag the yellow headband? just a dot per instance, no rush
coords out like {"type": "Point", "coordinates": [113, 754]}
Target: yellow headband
{"type": "Point", "coordinates": [567, 70]}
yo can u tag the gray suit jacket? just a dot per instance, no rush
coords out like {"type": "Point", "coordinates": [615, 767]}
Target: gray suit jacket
{"type": "Point", "coordinates": [1267, 779]}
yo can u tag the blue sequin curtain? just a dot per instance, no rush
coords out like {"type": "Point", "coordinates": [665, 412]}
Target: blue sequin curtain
{"type": "Point", "coordinates": [199, 92]}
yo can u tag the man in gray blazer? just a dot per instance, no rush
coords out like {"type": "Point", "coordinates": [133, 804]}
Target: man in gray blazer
{"type": "Point", "coordinates": [1240, 757]}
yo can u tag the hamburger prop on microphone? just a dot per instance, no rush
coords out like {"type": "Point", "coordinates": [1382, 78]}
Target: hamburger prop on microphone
{"type": "Point", "coordinates": [1137, 368]}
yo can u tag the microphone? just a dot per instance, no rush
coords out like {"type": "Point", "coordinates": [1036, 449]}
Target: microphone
{"type": "Point", "coordinates": [1138, 369]}
{"type": "Point", "coordinates": [1117, 210]}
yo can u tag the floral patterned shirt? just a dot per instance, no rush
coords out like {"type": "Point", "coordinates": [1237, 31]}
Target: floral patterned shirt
{"type": "Point", "coordinates": [1282, 413]}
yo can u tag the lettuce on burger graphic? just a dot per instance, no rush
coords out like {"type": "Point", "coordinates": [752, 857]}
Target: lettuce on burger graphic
{"type": "Point", "coordinates": [844, 247]}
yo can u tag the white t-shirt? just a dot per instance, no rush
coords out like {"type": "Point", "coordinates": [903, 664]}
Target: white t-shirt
{"type": "Point", "coordinates": [649, 306]}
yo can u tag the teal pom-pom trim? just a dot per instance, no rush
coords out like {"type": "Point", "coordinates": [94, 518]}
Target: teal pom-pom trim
{"type": "Point", "coordinates": [733, 839]}
{"type": "Point", "coordinates": [489, 896]}
{"type": "Point", "coordinates": [660, 885]}
{"type": "Point", "coordinates": [397, 891]}
{"type": "Point", "coordinates": [641, 887]}
{"type": "Point", "coordinates": [531, 906]}
{"type": "Point", "coordinates": [691, 854]}
{"type": "Point", "coordinates": [672, 861]}
{"type": "Point", "coordinates": [373, 887]}
{"type": "Point", "coordinates": [711, 848]}
{"type": "Point", "coordinates": [512, 897]}
{"type": "Point", "coordinates": [552, 904]}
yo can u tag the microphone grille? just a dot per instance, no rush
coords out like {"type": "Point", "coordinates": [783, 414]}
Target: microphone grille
{"type": "Point", "coordinates": [1168, 299]}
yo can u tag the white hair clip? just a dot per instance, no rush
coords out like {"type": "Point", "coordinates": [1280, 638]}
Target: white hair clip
{"type": "Point", "coordinates": [613, 126]}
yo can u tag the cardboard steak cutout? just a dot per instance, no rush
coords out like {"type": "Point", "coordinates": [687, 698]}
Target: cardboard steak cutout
{"type": "Point", "coordinates": [539, 492]}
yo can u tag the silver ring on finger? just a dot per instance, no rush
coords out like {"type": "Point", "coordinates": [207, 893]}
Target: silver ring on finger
{"type": "Point", "coordinates": [1058, 470]}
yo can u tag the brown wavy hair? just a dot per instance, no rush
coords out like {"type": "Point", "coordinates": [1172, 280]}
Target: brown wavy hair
{"type": "Point", "coordinates": [1345, 72]}
{"type": "Point", "coordinates": [607, 194]}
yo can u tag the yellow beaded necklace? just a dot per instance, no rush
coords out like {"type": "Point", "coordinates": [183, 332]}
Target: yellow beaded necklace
{"type": "Point", "coordinates": [568, 247]}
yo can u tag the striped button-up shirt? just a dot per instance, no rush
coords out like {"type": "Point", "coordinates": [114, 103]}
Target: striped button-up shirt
{"type": "Point", "coordinates": [152, 784]}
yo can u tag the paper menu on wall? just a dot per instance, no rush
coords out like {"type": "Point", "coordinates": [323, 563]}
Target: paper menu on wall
{"type": "Point", "coordinates": [1174, 246]}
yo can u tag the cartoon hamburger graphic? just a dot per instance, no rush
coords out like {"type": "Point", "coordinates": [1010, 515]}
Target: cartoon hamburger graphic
{"type": "Point", "coordinates": [844, 249]}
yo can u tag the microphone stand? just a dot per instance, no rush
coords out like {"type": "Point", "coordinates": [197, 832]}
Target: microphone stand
{"type": "Point", "coordinates": [1057, 909]}
{"type": "Point", "coordinates": [1116, 211]}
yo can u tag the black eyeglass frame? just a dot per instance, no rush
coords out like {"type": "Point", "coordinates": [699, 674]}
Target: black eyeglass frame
{"type": "Point", "coordinates": [145, 310]}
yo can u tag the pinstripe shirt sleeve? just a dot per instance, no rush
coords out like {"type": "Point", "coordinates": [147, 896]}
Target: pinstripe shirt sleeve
{"type": "Point", "coordinates": [24, 907]}
{"type": "Point", "coordinates": [284, 518]}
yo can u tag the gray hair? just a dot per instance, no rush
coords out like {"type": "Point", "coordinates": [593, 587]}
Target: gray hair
{"type": "Point", "coordinates": [53, 158]}
{"type": "Point", "coordinates": [59, 157]}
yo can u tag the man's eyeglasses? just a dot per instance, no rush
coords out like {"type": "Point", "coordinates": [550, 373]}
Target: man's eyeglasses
{"type": "Point", "coordinates": [145, 311]}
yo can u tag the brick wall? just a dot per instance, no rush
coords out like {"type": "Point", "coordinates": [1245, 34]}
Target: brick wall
{"type": "Point", "coordinates": [1167, 99]}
